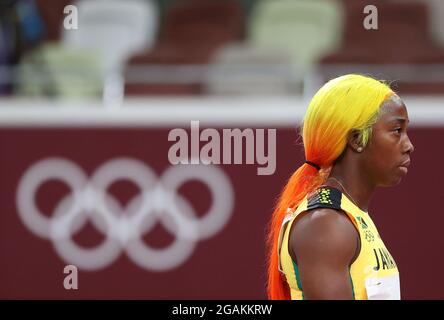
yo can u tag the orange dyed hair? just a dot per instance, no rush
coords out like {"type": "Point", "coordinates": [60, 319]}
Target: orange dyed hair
{"type": "Point", "coordinates": [349, 102]}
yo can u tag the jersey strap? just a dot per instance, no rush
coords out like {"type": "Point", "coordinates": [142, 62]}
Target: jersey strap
{"type": "Point", "coordinates": [325, 197]}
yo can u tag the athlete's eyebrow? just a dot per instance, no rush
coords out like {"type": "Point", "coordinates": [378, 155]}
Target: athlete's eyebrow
{"type": "Point", "coordinates": [400, 120]}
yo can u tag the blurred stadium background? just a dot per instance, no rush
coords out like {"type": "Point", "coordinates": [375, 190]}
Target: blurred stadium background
{"type": "Point", "coordinates": [84, 121]}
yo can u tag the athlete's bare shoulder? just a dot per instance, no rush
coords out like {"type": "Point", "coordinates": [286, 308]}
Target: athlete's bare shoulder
{"type": "Point", "coordinates": [323, 231]}
{"type": "Point", "coordinates": [323, 243]}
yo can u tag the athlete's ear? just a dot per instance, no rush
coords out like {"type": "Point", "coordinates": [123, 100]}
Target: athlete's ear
{"type": "Point", "coordinates": [353, 141]}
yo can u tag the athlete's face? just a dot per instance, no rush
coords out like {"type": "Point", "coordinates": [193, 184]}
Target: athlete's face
{"type": "Point", "coordinates": [387, 155]}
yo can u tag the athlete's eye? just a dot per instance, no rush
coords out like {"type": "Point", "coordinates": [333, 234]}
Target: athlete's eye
{"type": "Point", "coordinates": [398, 130]}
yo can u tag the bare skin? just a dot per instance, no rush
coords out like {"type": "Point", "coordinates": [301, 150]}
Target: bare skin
{"type": "Point", "coordinates": [324, 242]}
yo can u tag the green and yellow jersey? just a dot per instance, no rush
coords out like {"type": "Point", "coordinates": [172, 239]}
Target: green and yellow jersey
{"type": "Point", "coordinates": [373, 274]}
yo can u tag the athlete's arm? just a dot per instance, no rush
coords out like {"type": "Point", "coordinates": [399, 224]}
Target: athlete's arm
{"type": "Point", "coordinates": [324, 243]}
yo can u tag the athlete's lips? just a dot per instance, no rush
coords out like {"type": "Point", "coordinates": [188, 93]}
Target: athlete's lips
{"type": "Point", "coordinates": [405, 163]}
{"type": "Point", "coordinates": [403, 166]}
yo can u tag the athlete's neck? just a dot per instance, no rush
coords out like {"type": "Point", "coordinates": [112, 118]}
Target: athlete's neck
{"type": "Point", "coordinates": [356, 184]}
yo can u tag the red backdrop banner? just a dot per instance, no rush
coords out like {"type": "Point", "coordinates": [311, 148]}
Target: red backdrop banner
{"type": "Point", "coordinates": [147, 240]}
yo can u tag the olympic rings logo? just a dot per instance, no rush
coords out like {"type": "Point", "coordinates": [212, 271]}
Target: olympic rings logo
{"type": "Point", "coordinates": [123, 227]}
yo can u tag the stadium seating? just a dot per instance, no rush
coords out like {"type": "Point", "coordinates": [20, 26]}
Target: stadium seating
{"type": "Point", "coordinates": [240, 69]}
{"type": "Point", "coordinates": [402, 38]}
{"type": "Point", "coordinates": [51, 12]}
{"type": "Point", "coordinates": [307, 29]}
{"type": "Point", "coordinates": [117, 29]}
{"type": "Point", "coordinates": [5, 57]}
{"type": "Point", "coordinates": [239, 47]}
{"type": "Point", "coordinates": [436, 9]}
{"type": "Point", "coordinates": [60, 72]}
{"type": "Point", "coordinates": [192, 31]}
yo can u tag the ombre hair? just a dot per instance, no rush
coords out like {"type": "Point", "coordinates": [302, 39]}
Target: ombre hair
{"type": "Point", "coordinates": [347, 103]}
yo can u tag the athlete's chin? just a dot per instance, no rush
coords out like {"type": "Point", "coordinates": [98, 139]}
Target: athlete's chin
{"type": "Point", "coordinates": [393, 182]}
{"type": "Point", "coordinates": [397, 182]}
